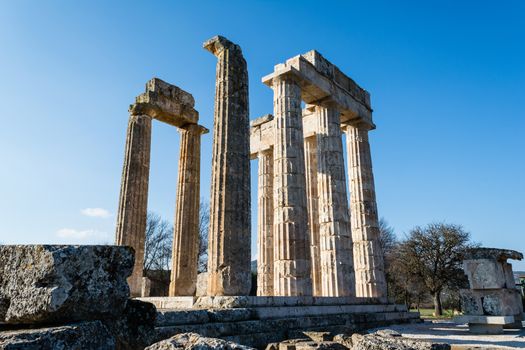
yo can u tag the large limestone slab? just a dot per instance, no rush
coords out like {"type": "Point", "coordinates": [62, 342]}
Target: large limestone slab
{"type": "Point", "coordinates": [54, 283]}
{"type": "Point", "coordinates": [485, 274]}
{"type": "Point", "coordinates": [195, 341]}
{"type": "Point", "coordinates": [498, 302]}
{"type": "Point", "coordinates": [79, 336]}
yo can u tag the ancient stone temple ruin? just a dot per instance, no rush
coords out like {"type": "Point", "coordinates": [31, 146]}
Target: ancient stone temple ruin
{"type": "Point", "coordinates": [311, 241]}
{"type": "Point", "coordinates": [492, 302]}
{"type": "Point", "coordinates": [319, 259]}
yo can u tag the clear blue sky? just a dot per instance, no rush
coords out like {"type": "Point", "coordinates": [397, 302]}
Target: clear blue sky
{"type": "Point", "coordinates": [447, 80]}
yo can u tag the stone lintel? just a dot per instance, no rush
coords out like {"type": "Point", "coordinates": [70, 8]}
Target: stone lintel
{"type": "Point", "coordinates": [261, 135]}
{"type": "Point", "coordinates": [492, 253]}
{"type": "Point", "coordinates": [319, 86]}
{"type": "Point", "coordinates": [219, 43]}
{"type": "Point", "coordinates": [167, 103]}
{"type": "Point", "coordinates": [261, 120]}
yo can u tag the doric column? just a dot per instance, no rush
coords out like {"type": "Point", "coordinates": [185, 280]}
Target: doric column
{"type": "Point", "coordinates": [133, 204]}
{"type": "Point", "coordinates": [229, 237]}
{"type": "Point", "coordinates": [265, 224]}
{"type": "Point", "coordinates": [310, 155]}
{"type": "Point", "coordinates": [291, 238]}
{"type": "Point", "coordinates": [368, 257]}
{"type": "Point", "coordinates": [186, 229]}
{"type": "Point", "coordinates": [337, 274]}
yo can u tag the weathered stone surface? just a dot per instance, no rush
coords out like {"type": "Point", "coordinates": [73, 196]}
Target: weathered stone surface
{"type": "Point", "coordinates": [335, 238]}
{"type": "Point", "coordinates": [498, 302]}
{"type": "Point", "coordinates": [186, 229]}
{"type": "Point", "coordinates": [318, 336]}
{"type": "Point", "coordinates": [292, 267]}
{"type": "Point", "coordinates": [493, 253]}
{"type": "Point", "coordinates": [368, 256]}
{"type": "Point", "coordinates": [167, 103]}
{"type": "Point", "coordinates": [380, 342]}
{"type": "Point", "coordinates": [52, 283]}
{"type": "Point", "coordinates": [202, 284]}
{"type": "Point", "coordinates": [344, 339]}
{"type": "Point", "coordinates": [485, 273]}
{"type": "Point", "coordinates": [195, 341]}
{"type": "Point", "coordinates": [135, 328]}
{"type": "Point", "coordinates": [265, 243]}
{"type": "Point", "coordinates": [229, 235]}
{"type": "Point", "coordinates": [78, 336]}
{"type": "Point", "coordinates": [133, 202]}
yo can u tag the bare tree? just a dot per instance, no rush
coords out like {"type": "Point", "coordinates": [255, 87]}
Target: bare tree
{"type": "Point", "coordinates": [432, 256]}
{"type": "Point", "coordinates": [387, 237]}
{"type": "Point", "coordinates": [204, 227]}
{"type": "Point", "coordinates": [159, 238]}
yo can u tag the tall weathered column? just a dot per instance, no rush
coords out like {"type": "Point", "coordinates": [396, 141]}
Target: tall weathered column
{"type": "Point", "coordinates": [265, 224]}
{"type": "Point", "coordinates": [291, 238]}
{"type": "Point", "coordinates": [310, 155]}
{"type": "Point", "coordinates": [337, 274]}
{"type": "Point", "coordinates": [229, 237]}
{"type": "Point", "coordinates": [132, 212]}
{"type": "Point", "coordinates": [186, 230]}
{"type": "Point", "coordinates": [368, 256]}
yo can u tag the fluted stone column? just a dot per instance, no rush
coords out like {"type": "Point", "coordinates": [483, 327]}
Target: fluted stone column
{"type": "Point", "coordinates": [133, 204]}
{"type": "Point", "coordinates": [310, 155]}
{"type": "Point", "coordinates": [337, 274]}
{"type": "Point", "coordinates": [291, 238]}
{"type": "Point", "coordinates": [186, 229]}
{"type": "Point", "coordinates": [265, 224]}
{"type": "Point", "coordinates": [229, 237]}
{"type": "Point", "coordinates": [368, 257]}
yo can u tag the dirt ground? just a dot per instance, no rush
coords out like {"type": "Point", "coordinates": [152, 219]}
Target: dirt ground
{"type": "Point", "coordinates": [459, 337]}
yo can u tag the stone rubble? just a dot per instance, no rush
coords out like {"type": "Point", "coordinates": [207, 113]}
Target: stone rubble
{"type": "Point", "coordinates": [193, 341]}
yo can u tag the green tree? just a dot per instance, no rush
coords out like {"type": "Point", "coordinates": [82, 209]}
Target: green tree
{"type": "Point", "coordinates": [432, 255]}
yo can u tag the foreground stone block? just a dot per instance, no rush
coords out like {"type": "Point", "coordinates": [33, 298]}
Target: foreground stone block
{"type": "Point", "coordinates": [53, 283]}
{"type": "Point", "coordinates": [135, 329]}
{"type": "Point", "coordinates": [79, 336]}
{"type": "Point", "coordinates": [376, 341]}
{"type": "Point", "coordinates": [195, 341]}
{"type": "Point", "coordinates": [498, 302]}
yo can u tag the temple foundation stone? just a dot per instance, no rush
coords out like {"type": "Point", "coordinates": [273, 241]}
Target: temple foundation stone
{"type": "Point", "coordinates": [229, 237]}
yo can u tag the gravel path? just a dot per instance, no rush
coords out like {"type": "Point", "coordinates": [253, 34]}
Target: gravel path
{"type": "Point", "coordinates": [459, 337]}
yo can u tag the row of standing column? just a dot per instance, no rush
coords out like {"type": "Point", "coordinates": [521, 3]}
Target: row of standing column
{"type": "Point", "coordinates": [314, 249]}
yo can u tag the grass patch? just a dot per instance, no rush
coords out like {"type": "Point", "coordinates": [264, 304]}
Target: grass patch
{"type": "Point", "coordinates": [429, 313]}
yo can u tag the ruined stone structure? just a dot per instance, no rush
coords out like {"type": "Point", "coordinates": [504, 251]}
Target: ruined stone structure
{"type": "Point", "coordinates": [311, 242]}
{"type": "Point", "coordinates": [171, 105]}
{"type": "Point", "coordinates": [493, 301]}
{"type": "Point", "coordinates": [315, 250]}
{"type": "Point", "coordinates": [229, 236]}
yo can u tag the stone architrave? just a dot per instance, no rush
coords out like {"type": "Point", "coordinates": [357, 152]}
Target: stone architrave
{"type": "Point", "coordinates": [292, 269]}
{"type": "Point", "coordinates": [229, 236]}
{"type": "Point", "coordinates": [186, 231]}
{"type": "Point", "coordinates": [133, 206]}
{"type": "Point", "coordinates": [335, 240]}
{"type": "Point", "coordinates": [310, 154]}
{"type": "Point", "coordinates": [368, 257]}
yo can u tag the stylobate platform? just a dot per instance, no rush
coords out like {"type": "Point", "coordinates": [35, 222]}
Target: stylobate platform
{"type": "Point", "coordinates": [257, 321]}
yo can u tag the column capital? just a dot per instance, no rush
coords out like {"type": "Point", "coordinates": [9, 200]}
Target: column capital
{"type": "Point", "coordinates": [195, 129]}
{"type": "Point", "coordinates": [218, 44]}
{"type": "Point", "coordinates": [359, 124]}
